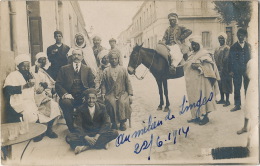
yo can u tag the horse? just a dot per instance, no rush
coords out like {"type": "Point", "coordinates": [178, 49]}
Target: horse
{"type": "Point", "coordinates": [157, 65]}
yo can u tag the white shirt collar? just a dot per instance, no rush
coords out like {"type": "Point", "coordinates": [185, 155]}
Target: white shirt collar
{"type": "Point", "coordinates": [58, 45]}
{"type": "Point", "coordinates": [242, 44]}
{"type": "Point", "coordinates": [91, 111]}
{"type": "Point", "coordinates": [79, 65]}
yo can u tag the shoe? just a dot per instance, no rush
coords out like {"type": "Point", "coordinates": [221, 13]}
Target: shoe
{"type": "Point", "coordinates": [114, 126]}
{"type": "Point", "coordinates": [122, 127]}
{"type": "Point", "coordinates": [243, 130]}
{"type": "Point", "coordinates": [235, 108]}
{"type": "Point", "coordinates": [221, 102]}
{"type": "Point", "coordinates": [193, 120]}
{"type": "Point", "coordinates": [51, 134]}
{"type": "Point", "coordinates": [38, 138]}
{"type": "Point", "coordinates": [204, 121]}
{"type": "Point", "coordinates": [226, 104]}
{"type": "Point", "coordinates": [80, 149]}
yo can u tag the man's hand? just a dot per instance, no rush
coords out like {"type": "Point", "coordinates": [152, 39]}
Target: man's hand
{"type": "Point", "coordinates": [45, 100]}
{"type": "Point", "coordinates": [91, 140]}
{"type": "Point", "coordinates": [231, 74]}
{"type": "Point", "coordinates": [68, 96]}
{"type": "Point", "coordinates": [195, 65]}
{"type": "Point", "coordinates": [130, 99]}
{"type": "Point", "coordinates": [39, 90]}
{"type": "Point", "coordinates": [54, 51]}
{"type": "Point", "coordinates": [28, 85]}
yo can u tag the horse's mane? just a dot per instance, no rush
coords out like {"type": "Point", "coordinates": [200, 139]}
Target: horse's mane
{"type": "Point", "coordinates": [148, 49]}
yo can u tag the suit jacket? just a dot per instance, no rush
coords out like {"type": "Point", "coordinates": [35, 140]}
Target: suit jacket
{"type": "Point", "coordinates": [98, 125]}
{"type": "Point", "coordinates": [66, 75]}
{"type": "Point", "coordinates": [58, 59]}
{"type": "Point", "coordinates": [180, 33]}
{"type": "Point", "coordinates": [238, 57]}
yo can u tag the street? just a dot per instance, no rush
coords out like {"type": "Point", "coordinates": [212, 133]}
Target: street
{"type": "Point", "coordinates": [170, 139]}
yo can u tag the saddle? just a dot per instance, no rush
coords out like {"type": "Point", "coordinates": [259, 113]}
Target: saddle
{"type": "Point", "coordinates": [164, 51]}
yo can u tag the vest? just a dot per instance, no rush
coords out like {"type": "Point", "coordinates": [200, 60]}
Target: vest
{"type": "Point", "coordinates": [77, 87]}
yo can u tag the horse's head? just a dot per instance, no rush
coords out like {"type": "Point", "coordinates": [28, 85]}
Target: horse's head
{"type": "Point", "coordinates": [135, 59]}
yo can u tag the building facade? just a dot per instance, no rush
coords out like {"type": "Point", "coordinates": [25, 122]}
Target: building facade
{"type": "Point", "coordinates": [151, 20]}
{"type": "Point", "coordinates": [28, 26]}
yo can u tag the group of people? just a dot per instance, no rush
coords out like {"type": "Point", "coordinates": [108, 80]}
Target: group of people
{"type": "Point", "coordinates": [205, 73]}
{"type": "Point", "coordinates": [88, 86]}
{"type": "Point", "coordinates": [91, 88]}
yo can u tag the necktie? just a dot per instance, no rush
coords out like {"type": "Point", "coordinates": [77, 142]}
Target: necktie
{"type": "Point", "coordinates": [77, 68]}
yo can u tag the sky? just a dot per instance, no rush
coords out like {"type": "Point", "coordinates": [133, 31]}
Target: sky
{"type": "Point", "coordinates": [108, 18]}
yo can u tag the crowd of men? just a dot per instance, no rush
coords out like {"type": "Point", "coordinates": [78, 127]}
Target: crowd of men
{"type": "Point", "coordinates": [97, 104]}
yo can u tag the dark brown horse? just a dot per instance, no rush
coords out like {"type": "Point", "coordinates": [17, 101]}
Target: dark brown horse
{"type": "Point", "coordinates": [157, 65]}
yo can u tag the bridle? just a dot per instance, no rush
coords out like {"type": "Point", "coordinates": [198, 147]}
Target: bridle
{"type": "Point", "coordinates": [146, 70]}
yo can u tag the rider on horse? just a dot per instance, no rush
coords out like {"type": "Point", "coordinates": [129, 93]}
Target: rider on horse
{"type": "Point", "coordinates": [174, 38]}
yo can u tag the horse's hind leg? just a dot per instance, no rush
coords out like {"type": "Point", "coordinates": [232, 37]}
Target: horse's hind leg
{"type": "Point", "coordinates": [165, 86]}
{"type": "Point", "coordinates": [159, 83]}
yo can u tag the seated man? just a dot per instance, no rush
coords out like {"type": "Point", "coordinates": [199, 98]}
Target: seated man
{"type": "Point", "coordinates": [174, 37]}
{"type": "Point", "coordinates": [72, 80]}
{"type": "Point", "coordinates": [93, 125]}
{"type": "Point", "coordinates": [20, 86]}
{"type": "Point", "coordinates": [117, 92]}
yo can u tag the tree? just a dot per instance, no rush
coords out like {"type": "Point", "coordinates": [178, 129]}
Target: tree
{"type": "Point", "coordinates": [239, 11]}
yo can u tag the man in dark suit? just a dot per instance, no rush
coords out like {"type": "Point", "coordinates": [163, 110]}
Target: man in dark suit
{"type": "Point", "coordinates": [93, 125]}
{"type": "Point", "coordinates": [71, 81]}
{"type": "Point", "coordinates": [239, 55]}
{"type": "Point", "coordinates": [57, 54]}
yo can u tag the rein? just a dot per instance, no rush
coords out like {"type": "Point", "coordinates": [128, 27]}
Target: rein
{"type": "Point", "coordinates": [146, 70]}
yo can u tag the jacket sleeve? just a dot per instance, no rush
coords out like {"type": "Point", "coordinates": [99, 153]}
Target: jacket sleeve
{"type": "Point", "coordinates": [184, 33]}
{"type": "Point", "coordinates": [128, 84]}
{"type": "Point", "coordinates": [59, 83]}
{"type": "Point", "coordinates": [230, 59]}
{"type": "Point", "coordinates": [91, 79]}
{"type": "Point", "coordinates": [165, 36]}
{"type": "Point", "coordinates": [106, 121]}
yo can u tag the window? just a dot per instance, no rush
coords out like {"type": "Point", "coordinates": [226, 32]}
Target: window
{"type": "Point", "coordinates": [229, 36]}
{"type": "Point", "coordinates": [206, 39]}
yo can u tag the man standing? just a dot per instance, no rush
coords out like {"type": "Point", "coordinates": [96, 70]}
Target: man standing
{"type": "Point", "coordinates": [239, 55]}
{"type": "Point", "coordinates": [71, 81]}
{"type": "Point", "coordinates": [112, 43]}
{"type": "Point", "coordinates": [57, 54]}
{"type": "Point", "coordinates": [174, 37]}
{"type": "Point", "coordinates": [97, 48]}
{"type": "Point", "coordinates": [93, 125]}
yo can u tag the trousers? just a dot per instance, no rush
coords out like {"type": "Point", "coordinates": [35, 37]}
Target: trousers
{"type": "Point", "coordinates": [237, 81]}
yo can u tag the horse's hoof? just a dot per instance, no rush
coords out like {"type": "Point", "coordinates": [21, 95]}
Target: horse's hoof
{"type": "Point", "coordinates": [166, 109]}
{"type": "Point", "coordinates": [159, 108]}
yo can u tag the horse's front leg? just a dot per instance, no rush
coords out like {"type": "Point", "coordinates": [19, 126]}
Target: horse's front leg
{"type": "Point", "coordinates": [165, 86]}
{"type": "Point", "coordinates": [159, 83]}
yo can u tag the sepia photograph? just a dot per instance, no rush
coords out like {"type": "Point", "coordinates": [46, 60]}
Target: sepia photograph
{"type": "Point", "coordinates": [127, 82]}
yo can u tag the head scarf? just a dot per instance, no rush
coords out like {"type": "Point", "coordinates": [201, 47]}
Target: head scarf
{"type": "Point", "coordinates": [112, 40]}
{"type": "Point", "coordinates": [113, 52]}
{"type": "Point", "coordinates": [96, 38]}
{"type": "Point", "coordinates": [102, 54]}
{"type": "Point", "coordinates": [22, 58]}
{"type": "Point", "coordinates": [42, 55]}
{"type": "Point", "coordinates": [197, 39]}
{"type": "Point", "coordinates": [172, 15]}
{"type": "Point", "coordinates": [75, 40]}
{"type": "Point", "coordinates": [89, 91]}
{"type": "Point", "coordinates": [57, 32]}
{"type": "Point", "coordinates": [223, 34]}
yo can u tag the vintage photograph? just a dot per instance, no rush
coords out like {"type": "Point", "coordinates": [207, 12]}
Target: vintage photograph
{"type": "Point", "coordinates": [129, 82]}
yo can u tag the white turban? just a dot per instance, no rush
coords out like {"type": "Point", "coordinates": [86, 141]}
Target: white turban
{"type": "Point", "coordinates": [223, 34]}
{"type": "Point", "coordinates": [75, 40]}
{"type": "Point", "coordinates": [102, 54]}
{"type": "Point", "coordinates": [197, 39]}
{"type": "Point", "coordinates": [42, 55]}
{"type": "Point", "coordinates": [22, 58]}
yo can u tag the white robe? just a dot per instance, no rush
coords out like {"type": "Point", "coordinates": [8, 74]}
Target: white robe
{"type": "Point", "coordinates": [23, 103]}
